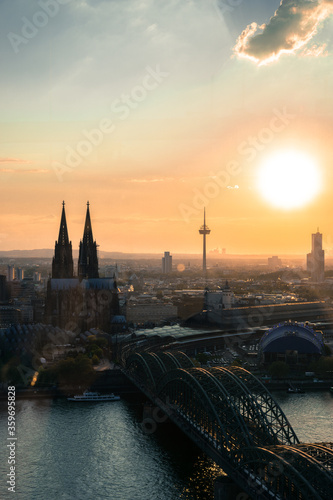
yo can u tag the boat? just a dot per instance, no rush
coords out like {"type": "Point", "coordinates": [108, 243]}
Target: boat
{"type": "Point", "coordinates": [295, 390]}
{"type": "Point", "coordinates": [94, 396]}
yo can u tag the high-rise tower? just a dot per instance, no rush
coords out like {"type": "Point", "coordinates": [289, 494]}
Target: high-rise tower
{"type": "Point", "coordinates": [167, 263]}
{"type": "Point", "coordinates": [316, 259]}
{"type": "Point", "coordinates": [62, 264]}
{"type": "Point", "coordinates": [204, 230]}
{"type": "Point", "coordinates": [88, 261]}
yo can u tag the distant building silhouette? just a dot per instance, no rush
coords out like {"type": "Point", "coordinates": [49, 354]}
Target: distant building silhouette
{"type": "Point", "coordinates": [9, 316]}
{"type": "Point", "coordinates": [62, 264]}
{"type": "Point", "coordinates": [37, 276]}
{"type": "Point", "coordinates": [88, 261]}
{"type": "Point", "coordinates": [167, 263]}
{"type": "Point", "coordinates": [10, 273]}
{"type": "Point", "coordinates": [222, 299]}
{"type": "Point", "coordinates": [3, 288]}
{"type": "Point", "coordinates": [20, 274]}
{"type": "Point", "coordinates": [316, 259]}
{"type": "Point", "coordinates": [274, 262]}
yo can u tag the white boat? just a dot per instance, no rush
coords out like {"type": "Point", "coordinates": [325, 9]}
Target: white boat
{"type": "Point", "coordinates": [94, 396]}
{"type": "Point", "coordinates": [295, 390]}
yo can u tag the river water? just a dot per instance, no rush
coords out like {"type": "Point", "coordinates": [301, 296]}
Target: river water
{"type": "Point", "coordinates": [73, 451]}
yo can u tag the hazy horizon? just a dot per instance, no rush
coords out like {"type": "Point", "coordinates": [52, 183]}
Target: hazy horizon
{"type": "Point", "coordinates": [105, 254]}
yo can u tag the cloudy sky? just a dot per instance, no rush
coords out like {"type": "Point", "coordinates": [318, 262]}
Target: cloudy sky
{"type": "Point", "coordinates": [152, 109]}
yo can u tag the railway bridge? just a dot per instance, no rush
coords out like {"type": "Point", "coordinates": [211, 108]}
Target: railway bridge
{"type": "Point", "coordinates": [232, 417]}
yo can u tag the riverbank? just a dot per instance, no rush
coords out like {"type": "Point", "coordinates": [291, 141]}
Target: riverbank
{"type": "Point", "coordinates": [115, 381]}
{"type": "Point", "coordinates": [107, 381]}
{"type": "Point", "coordinates": [304, 385]}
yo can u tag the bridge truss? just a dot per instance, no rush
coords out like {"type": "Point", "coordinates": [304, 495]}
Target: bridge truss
{"type": "Point", "coordinates": [234, 419]}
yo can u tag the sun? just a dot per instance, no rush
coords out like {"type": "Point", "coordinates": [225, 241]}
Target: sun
{"type": "Point", "coordinates": [289, 179]}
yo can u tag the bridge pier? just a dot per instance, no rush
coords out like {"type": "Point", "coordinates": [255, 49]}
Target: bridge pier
{"type": "Point", "coordinates": [226, 489]}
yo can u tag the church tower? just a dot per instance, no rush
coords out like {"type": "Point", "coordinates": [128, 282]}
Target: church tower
{"type": "Point", "coordinates": [62, 264]}
{"type": "Point", "coordinates": [88, 262]}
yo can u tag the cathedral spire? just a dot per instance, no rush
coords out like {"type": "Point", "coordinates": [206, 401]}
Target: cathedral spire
{"type": "Point", "coordinates": [88, 261]}
{"type": "Point", "coordinates": [63, 232]}
{"type": "Point", "coordinates": [87, 233]}
{"type": "Point", "coordinates": [62, 264]}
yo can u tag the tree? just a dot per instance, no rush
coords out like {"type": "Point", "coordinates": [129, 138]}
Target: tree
{"type": "Point", "coordinates": [327, 350]}
{"type": "Point", "coordinates": [202, 358]}
{"type": "Point", "coordinates": [74, 371]}
{"type": "Point", "coordinates": [323, 367]}
{"type": "Point", "coordinates": [95, 360]}
{"type": "Point", "coordinates": [278, 369]}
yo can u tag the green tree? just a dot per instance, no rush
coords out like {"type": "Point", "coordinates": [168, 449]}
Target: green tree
{"type": "Point", "coordinates": [327, 350]}
{"type": "Point", "coordinates": [74, 371]}
{"type": "Point", "coordinates": [95, 360]}
{"type": "Point", "coordinates": [323, 367]}
{"type": "Point", "coordinates": [202, 358]}
{"type": "Point", "coordinates": [278, 369]}
{"type": "Point", "coordinates": [46, 377]}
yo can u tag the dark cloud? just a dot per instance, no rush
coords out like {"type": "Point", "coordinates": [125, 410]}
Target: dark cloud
{"type": "Point", "coordinates": [291, 28]}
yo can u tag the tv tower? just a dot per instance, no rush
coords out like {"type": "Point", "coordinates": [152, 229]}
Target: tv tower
{"type": "Point", "coordinates": [204, 230]}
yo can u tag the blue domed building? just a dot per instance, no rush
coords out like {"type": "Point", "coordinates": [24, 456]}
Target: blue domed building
{"type": "Point", "coordinates": [294, 343]}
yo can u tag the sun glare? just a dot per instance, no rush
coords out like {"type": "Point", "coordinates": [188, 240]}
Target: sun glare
{"type": "Point", "coordinates": [289, 179]}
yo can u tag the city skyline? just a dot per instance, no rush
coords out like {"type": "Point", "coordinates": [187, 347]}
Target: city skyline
{"type": "Point", "coordinates": [171, 109]}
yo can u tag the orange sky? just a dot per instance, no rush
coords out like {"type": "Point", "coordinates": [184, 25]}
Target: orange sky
{"type": "Point", "coordinates": [148, 113]}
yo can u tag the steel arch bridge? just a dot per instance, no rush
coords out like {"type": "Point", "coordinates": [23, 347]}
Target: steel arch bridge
{"type": "Point", "coordinates": [234, 419]}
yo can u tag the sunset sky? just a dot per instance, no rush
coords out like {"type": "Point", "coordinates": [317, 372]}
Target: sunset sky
{"type": "Point", "coordinates": [153, 109]}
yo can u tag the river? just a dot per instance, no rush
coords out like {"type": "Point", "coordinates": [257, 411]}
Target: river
{"type": "Point", "coordinates": [73, 451]}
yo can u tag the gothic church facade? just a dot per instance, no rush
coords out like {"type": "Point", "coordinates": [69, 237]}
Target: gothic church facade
{"type": "Point", "coordinates": [80, 302]}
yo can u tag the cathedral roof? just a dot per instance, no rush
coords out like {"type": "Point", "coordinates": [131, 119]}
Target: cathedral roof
{"type": "Point", "coordinates": [98, 283]}
{"type": "Point", "coordinates": [64, 283]}
{"type": "Point", "coordinates": [87, 284]}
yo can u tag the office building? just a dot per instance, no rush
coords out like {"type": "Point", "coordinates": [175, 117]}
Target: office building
{"type": "Point", "coordinates": [167, 263]}
{"type": "Point", "coordinates": [316, 259]}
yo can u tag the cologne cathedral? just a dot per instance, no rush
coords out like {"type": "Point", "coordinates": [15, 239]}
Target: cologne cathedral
{"type": "Point", "coordinates": [80, 302]}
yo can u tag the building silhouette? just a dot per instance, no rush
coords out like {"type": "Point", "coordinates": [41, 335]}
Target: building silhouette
{"type": "Point", "coordinates": [81, 302]}
{"type": "Point", "coordinates": [297, 344]}
{"type": "Point", "coordinates": [315, 262]}
{"type": "Point", "coordinates": [204, 230]}
{"type": "Point", "coordinates": [62, 263]}
{"type": "Point", "coordinates": [274, 262]}
{"type": "Point", "coordinates": [20, 274]}
{"type": "Point", "coordinates": [88, 261]}
{"type": "Point", "coordinates": [167, 263]}
{"type": "Point", "coordinates": [3, 288]}
{"type": "Point", "coordinates": [10, 273]}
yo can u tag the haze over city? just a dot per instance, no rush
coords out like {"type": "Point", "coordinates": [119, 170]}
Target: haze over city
{"type": "Point", "coordinates": [153, 110]}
